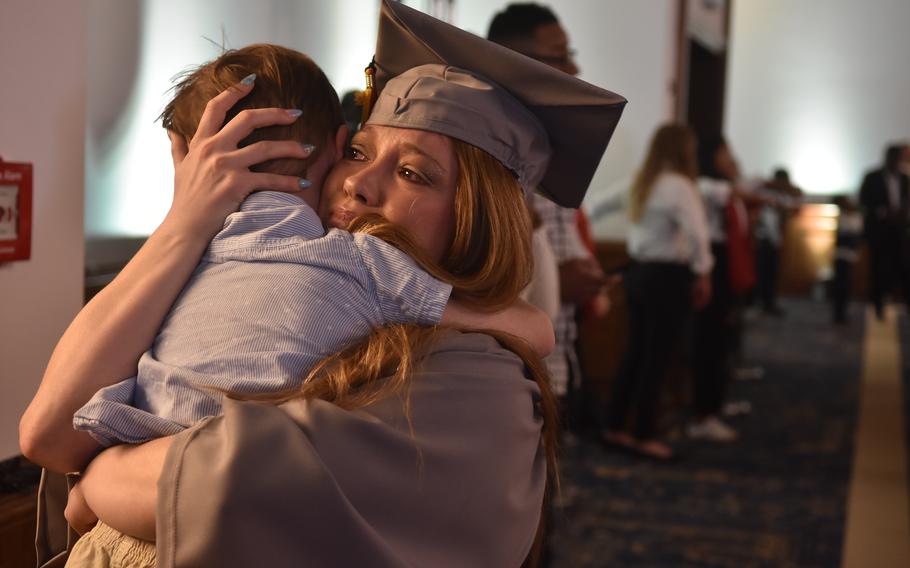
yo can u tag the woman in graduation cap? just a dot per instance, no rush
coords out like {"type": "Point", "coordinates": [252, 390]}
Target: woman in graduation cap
{"type": "Point", "coordinates": [419, 446]}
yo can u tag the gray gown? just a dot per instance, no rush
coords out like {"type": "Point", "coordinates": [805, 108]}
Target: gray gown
{"type": "Point", "coordinates": [309, 484]}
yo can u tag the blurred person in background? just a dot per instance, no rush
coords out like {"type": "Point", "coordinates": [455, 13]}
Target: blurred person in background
{"type": "Point", "coordinates": [784, 199]}
{"type": "Point", "coordinates": [535, 31]}
{"type": "Point", "coordinates": [671, 273]}
{"type": "Point", "coordinates": [718, 327]}
{"type": "Point", "coordinates": [351, 110]}
{"type": "Point", "coordinates": [849, 239]}
{"type": "Point", "coordinates": [885, 200]}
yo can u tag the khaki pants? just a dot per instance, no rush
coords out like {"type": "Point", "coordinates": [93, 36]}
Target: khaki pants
{"type": "Point", "coordinates": [105, 547]}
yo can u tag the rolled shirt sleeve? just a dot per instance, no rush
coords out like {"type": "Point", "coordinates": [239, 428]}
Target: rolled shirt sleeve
{"type": "Point", "coordinates": [405, 292]}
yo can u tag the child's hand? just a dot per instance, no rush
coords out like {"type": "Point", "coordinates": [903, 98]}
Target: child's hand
{"type": "Point", "coordinates": [521, 319]}
{"type": "Point", "coordinates": [77, 512]}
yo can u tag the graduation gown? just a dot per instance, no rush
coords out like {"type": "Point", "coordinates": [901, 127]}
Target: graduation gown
{"type": "Point", "coordinates": [309, 484]}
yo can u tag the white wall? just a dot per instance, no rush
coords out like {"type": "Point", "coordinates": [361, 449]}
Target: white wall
{"type": "Point", "coordinates": [42, 106]}
{"type": "Point", "coordinates": [136, 48]}
{"type": "Point", "coordinates": [818, 86]}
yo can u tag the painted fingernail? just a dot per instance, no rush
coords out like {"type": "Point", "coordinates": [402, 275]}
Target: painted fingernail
{"type": "Point", "coordinates": [294, 112]}
{"type": "Point", "coordinates": [304, 183]}
{"type": "Point", "coordinates": [249, 79]}
{"type": "Point", "coordinates": [308, 149]}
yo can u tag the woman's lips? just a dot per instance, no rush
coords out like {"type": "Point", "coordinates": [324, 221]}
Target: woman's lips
{"type": "Point", "coordinates": [341, 218]}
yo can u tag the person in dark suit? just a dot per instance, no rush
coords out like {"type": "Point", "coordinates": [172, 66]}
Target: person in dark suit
{"type": "Point", "coordinates": [885, 200]}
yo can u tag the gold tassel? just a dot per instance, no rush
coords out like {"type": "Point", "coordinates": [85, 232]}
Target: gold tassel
{"type": "Point", "coordinates": [368, 96]}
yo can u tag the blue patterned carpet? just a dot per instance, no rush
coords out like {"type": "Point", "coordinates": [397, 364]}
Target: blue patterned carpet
{"type": "Point", "coordinates": [776, 498]}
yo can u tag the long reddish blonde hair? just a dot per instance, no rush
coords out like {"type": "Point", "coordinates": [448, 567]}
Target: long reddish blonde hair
{"type": "Point", "coordinates": [488, 263]}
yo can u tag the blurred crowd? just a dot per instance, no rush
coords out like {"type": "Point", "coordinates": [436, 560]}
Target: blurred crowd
{"type": "Point", "coordinates": [704, 257]}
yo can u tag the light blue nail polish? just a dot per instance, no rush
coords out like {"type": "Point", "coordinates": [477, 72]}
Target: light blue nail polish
{"type": "Point", "coordinates": [294, 112]}
{"type": "Point", "coordinates": [249, 79]}
{"type": "Point", "coordinates": [308, 148]}
{"type": "Point", "coordinates": [304, 183]}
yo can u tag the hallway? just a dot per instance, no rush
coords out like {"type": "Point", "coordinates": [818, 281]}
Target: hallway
{"type": "Point", "coordinates": [810, 475]}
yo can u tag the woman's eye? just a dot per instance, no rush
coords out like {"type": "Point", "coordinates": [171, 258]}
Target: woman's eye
{"type": "Point", "coordinates": [354, 154]}
{"type": "Point", "coordinates": [413, 176]}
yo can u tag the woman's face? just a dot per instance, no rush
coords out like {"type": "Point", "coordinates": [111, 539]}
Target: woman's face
{"type": "Point", "coordinates": [407, 176]}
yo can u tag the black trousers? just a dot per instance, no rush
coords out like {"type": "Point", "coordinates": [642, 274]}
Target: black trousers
{"type": "Point", "coordinates": [767, 266]}
{"type": "Point", "coordinates": [715, 339]}
{"type": "Point", "coordinates": [659, 297]}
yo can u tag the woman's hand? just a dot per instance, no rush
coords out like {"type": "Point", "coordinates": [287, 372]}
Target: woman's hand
{"type": "Point", "coordinates": [212, 176]}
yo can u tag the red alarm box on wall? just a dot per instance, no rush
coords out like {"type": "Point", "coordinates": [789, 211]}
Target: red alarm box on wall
{"type": "Point", "coordinates": [15, 211]}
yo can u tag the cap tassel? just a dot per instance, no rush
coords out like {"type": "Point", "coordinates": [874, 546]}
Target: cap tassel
{"type": "Point", "coordinates": [367, 98]}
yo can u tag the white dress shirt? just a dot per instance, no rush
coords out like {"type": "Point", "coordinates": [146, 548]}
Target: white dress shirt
{"type": "Point", "coordinates": [673, 226]}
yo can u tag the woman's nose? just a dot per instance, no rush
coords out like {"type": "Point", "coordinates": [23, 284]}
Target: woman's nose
{"type": "Point", "coordinates": [361, 187]}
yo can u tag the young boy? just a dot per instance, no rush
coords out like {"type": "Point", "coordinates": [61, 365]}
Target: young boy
{"type": "Point", "coordinates": [274, 294]}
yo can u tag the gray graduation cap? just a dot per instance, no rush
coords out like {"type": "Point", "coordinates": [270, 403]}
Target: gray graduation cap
{"type": "Point", "coordinates": [548, 127]}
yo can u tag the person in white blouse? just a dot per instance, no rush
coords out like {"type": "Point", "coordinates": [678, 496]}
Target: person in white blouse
{"type": "Point", "coordinates": [670, 248]}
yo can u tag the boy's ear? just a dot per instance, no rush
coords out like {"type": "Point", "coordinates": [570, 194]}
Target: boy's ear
{"type": "Point", "coordinates": [341, 138]}
{"type": "Point", "coordinates": [179, 147]}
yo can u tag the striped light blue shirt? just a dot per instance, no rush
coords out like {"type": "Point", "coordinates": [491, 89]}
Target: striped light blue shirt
{"type": "Point", "coordinates": [273, 295]}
